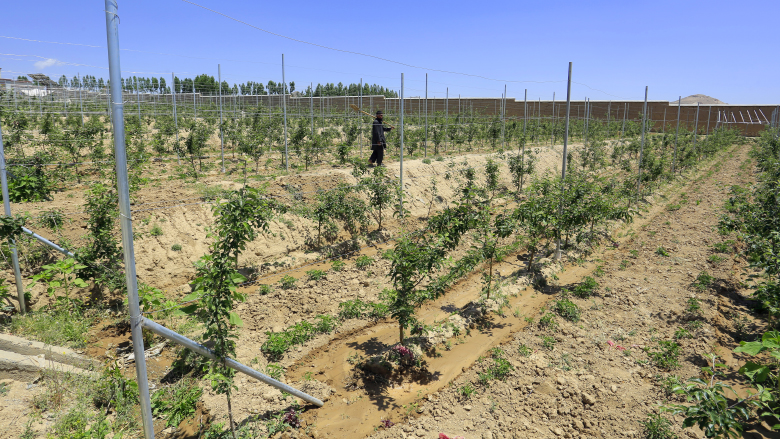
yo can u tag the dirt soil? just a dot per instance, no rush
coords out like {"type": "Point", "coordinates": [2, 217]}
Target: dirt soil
{"type": "Point", "coordinates": [584, 386]}
{"type": "Point", "coordinates": [596, 381]}
{"type": "Point", "coordinates": [185, 219]}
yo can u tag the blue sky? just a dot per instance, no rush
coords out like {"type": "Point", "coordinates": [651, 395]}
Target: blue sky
{"type": "Point", "coordinates": [723, 49]}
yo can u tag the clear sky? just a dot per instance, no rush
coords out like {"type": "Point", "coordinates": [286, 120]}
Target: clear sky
{"type": "Point", "coordinates": [724, 49]}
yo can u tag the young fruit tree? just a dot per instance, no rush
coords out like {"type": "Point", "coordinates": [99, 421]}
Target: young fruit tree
{"type": "Point", "coordinates": [216, 285]}
{"type": "Point", "coordinates": [415, 261]}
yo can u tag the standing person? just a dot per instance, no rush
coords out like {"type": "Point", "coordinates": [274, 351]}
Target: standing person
{"type": "Point", "coordinates": [378, 143]}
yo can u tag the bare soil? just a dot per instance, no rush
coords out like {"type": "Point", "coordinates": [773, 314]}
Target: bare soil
{"type": "Point", "coordinates": [585, 386]}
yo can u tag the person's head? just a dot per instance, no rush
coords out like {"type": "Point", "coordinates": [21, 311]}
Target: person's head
{"type": "Point", "coordinates": [379, 114]}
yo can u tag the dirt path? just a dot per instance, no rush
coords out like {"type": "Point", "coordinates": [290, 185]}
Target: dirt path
{"type": "Point", "coordinates": [583, 386]}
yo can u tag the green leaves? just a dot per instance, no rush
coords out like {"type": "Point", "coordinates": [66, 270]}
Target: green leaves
{"type": "Point", "coordinates": [239, 218]}
{"type": "Point", "coordinates": [757, 372]}
{"type": "Point", "coordinates": [176, 403]}
{"type": "Point", "coordinates": [711, 409]}
{"type": "Point", "coordinates": [278, 343]}
{"type": "Point", "coordinates": [60, 275]}
{"type": "Point", "coordinates": [11, 227]}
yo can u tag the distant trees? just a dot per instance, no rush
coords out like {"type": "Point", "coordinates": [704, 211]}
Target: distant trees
{"type": "Point", "coordinates": [209, 86]}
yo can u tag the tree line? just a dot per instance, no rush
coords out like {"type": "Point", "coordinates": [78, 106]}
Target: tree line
{"type": "Point", "coordinates": [208, 85]}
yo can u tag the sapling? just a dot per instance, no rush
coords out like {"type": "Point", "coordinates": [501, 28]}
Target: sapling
{"type": "Point", "coordinates": [415, 259]}
{"type": "Point", "coordinates": [538, 216]}
{"type": "Point", "coordinates": [240, 216]}
{"type": "Point", "coordinates": [217, 280]}
{"type": "Point", "coordinates": [379, 189]}
{"type": "Point", "coordinates": [520, 165]}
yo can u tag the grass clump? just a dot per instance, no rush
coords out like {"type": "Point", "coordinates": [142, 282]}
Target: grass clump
{"type": "Point", "coordinates": [567, 309]}
{"type": "Point", "coordinates": [364, 261]}
{"type": "Point", "coordinates": [62, 326]}
{"type": "Point", "coordinates": [703, 281]}
{"type": "Point", "coordinates": [177, 402]}
{"type": "Point", "coordinates": [315, 274]}
{"type": "Point", "coordinates": [693, 306]}
{"type": "Point", "coordinates": [548, 322]}
{"type": "Point", "coordinates": [548, 342]}
{"type": "Point", "coordinates": [657, 427]}
{"type": "Point", "coordinates": [357, 309]}
{"type": "Point", "coordinates": [279, 343]}
{"type": "Point", "coordinates": [665, 355]}
{"type": "Point", "coordinates": [467, 391]}
{"type": "Point", "coordinates": [287, 282]}
{"type": "Point", "coordinates": [524, 350]}
{"type": "Point", "coordinates": [499, 370]}
{"type": "Point", "coordinates": [586, 288]}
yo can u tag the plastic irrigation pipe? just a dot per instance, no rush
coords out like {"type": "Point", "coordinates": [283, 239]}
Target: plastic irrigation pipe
{"type": "Point", "coordinates": [233, 364]}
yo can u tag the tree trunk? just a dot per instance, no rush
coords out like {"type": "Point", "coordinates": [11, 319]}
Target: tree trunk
{"type": "Point", "coordinates": [490, 278]}
{"type": "Point", "coordinates": [230, 415]}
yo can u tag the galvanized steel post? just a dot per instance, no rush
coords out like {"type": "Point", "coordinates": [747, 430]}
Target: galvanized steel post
{"type": "Point", "coordinates": [221, 133]}
{"type": "Point", "coordinates": [81, 103]}
{"type": "Point", "coordinates": [446, 116]}
{"type": "Point", "coordinates": [503, 119]}
{"type": "Point", "coordinates": [695, 128]}
{"type": "Point", "coordinates": [677, 133]}
{"type": "Point", "coordinates": [7, 206]}
{"type": "Point", "coordinates": [175, 118]}
{"type": "Point", "coordinates": [125, 218]}
{"type": "Point", "coordinates": [641, 147]}
{"type": "Point", "coordinates": [563, 162]}
{"type": "Point", "coordinates": [138, 96]}
{"type": "Point", "coordinates": [284, 109]}
{"type": "Point", "coordinates": [401, 133]}
{"type": "Point", "coordinates": [426, 115]}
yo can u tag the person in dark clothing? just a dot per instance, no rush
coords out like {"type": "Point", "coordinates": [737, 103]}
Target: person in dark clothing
{"type": "Point", "coordinates": [378, 143]}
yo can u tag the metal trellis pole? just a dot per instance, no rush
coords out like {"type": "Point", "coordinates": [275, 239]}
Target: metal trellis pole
{"type": "Point", "coordinates": [125, 219]}
{"type": "Point", "coordinates": [138, 96]}
{"type": "Point", "coordinates": [677, 133]}
{"type": "Point", "coordinates": [7, 206]}
{"type": "Point", "coordinates": [81, 104]}
{"type": "Point", "coordinates": [446, 116]}
{"type": "Point", "coordinates": [401, 133]}
{"type": "Point", "coordinates": [522, 154]}
{"type": "Point", "coordinates": [426, 115]}
{"type": "Point", "coordinates": [503, 119]}
{"type": "Point", "coordinates": [175, 117]}
{"type": "Point", "coordinates": [284, 107]}
{"type": "Point", "coordinates": [695, 128]}
{"type": "Point", "coordinates": [586, 124]}
{"type": "Point", "coordinates": [563, 162]}
{"type": "Point", "coordinates": [641, 147]}
{"type": "Point", "coordinates": [221, 133]}
{"type": "Point", "coordinates": [552, 118]}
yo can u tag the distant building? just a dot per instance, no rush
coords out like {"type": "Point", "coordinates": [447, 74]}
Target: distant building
{"type": "Point", "coordinates": [24, 87]}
